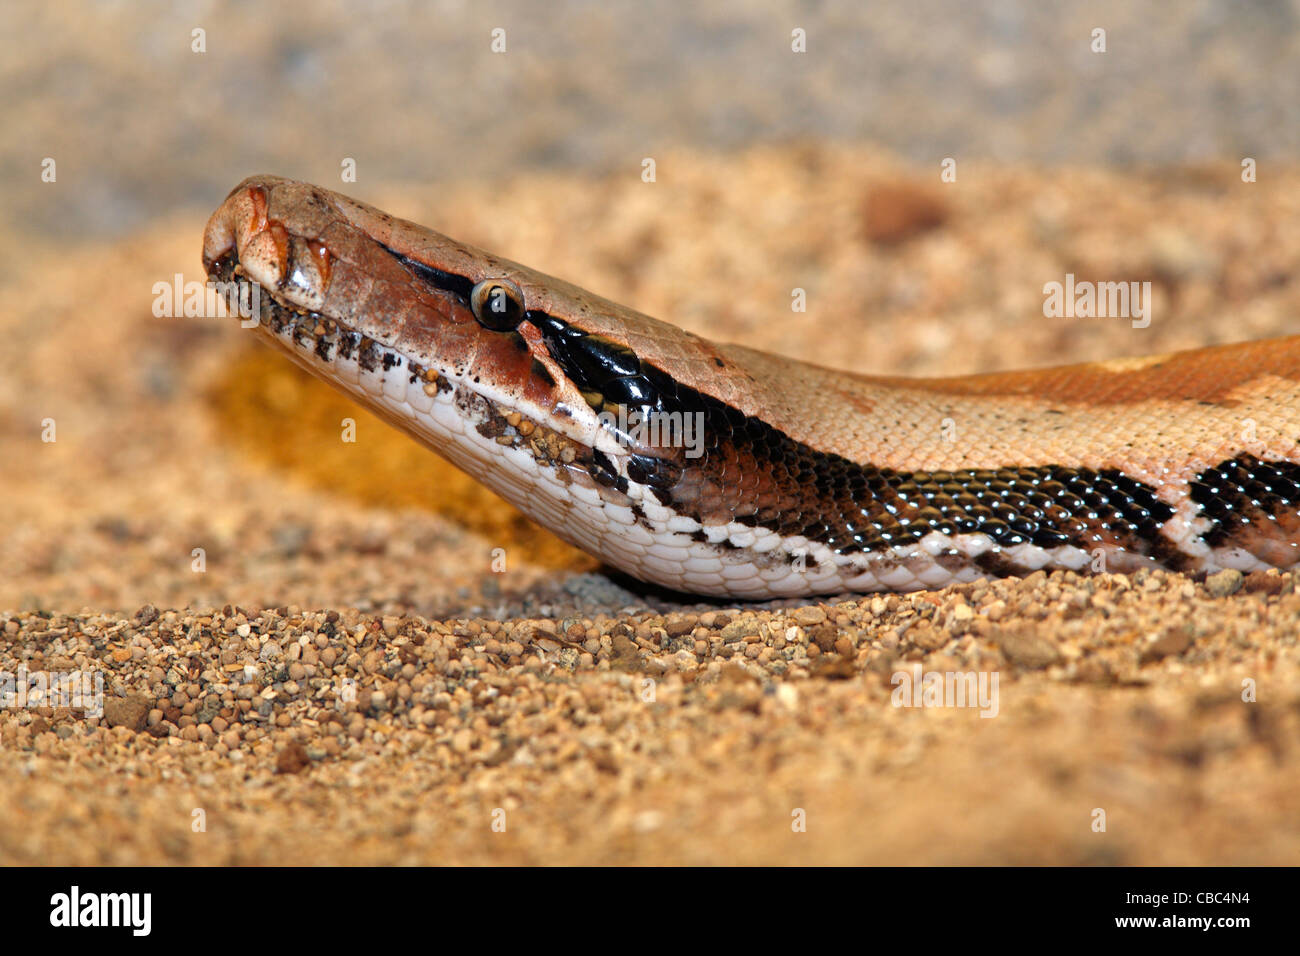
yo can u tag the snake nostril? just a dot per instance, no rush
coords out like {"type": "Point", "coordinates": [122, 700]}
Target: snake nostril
{"type": "Point", "coordinates": [320, 255]}
{"type": "Point", "coordinates": [257, 197]}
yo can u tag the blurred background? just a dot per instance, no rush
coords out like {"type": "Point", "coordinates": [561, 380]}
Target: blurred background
{"type": "Point", "coordinates": [141, 125]}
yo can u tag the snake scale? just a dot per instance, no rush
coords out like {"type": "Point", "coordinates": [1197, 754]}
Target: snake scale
{"type": "Point", "coordinates": [716, 469]}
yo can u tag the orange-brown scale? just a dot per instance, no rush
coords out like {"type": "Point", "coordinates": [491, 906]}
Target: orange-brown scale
{"type": "Point", "coordinates": [1203, 375]}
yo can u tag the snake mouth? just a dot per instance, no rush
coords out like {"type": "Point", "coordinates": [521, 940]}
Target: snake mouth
{"type": "Point", "coordinates": [325, 338]}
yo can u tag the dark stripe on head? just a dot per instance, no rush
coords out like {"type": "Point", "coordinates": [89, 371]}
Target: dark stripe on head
{"type": "Point", "coordinates": [446, 281]}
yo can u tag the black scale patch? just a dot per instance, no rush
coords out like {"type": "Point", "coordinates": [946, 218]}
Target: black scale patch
{"type": "Point", "coordinates": [1244, 498]}
{"type": "Point", "coordinates": [755, 475]}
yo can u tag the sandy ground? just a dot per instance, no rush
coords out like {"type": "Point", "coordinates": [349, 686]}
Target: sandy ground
{"type": "Point", "coordinates": [346, 680]}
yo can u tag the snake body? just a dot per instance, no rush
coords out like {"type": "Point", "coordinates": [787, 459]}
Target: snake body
{"type": "Point", "coordinates": [766, 476]}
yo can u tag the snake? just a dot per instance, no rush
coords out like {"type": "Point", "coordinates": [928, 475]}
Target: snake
{"type": "Point", "coordinates": [719, 470]}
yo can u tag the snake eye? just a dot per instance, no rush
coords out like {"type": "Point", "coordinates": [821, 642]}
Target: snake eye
{"type": "Point", "coordinates": [498, 304]}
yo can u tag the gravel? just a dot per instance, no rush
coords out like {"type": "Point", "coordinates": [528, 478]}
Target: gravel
{"type": "Point", "coordinates": [402, 727]}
